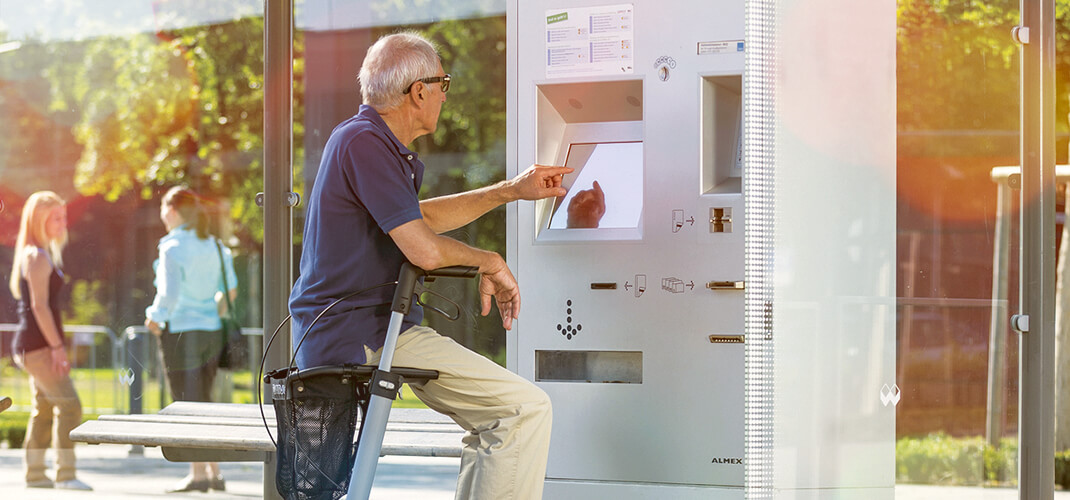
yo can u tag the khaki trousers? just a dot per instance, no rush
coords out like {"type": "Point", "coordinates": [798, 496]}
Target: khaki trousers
{"type": "Point", "coordinates": [52, 394]}
{"type": "Point", "coordinates": [507, 417]}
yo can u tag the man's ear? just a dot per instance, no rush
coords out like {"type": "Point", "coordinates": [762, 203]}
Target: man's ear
{"type": "Point", "coordinates": [417, 93]}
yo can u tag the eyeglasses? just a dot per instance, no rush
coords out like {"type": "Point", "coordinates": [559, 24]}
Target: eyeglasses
{"type": "Point", "coordinates": [444, 79]}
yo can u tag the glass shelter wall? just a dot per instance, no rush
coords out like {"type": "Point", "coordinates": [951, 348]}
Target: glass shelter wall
{"type": "Point", "coordinates": [957, 243]}
{"type": "Point", "coordinates": [110, 104]}
{"type": "Point", "coordinates": [466, 151]}
{"type": "Point", "coordinates": [920, 138]}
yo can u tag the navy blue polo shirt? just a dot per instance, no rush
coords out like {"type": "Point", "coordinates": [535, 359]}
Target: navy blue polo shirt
{"type": "Point", "coordinates": [367, 185]}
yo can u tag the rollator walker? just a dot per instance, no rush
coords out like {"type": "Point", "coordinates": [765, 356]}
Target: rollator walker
{"type": "Point", "coordinates": [316, 408]}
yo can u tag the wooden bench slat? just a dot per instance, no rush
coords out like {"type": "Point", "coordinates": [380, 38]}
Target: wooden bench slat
{"type": "Point", "coordinates": [225, 432]}
{"type": "Point", "coordinates": [236, 432]}
{"type": "Point", "coordinates": [256, 422]}
{"type": "Point", "coordinates": [171, 434]}
{"type": "Point", "coordinates": [242, 438]}
{"type": "Point", "coordinates": [234, 410]}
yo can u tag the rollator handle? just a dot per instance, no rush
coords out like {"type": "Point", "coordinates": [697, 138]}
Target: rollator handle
{"type": "Point", "coordinates": [455, 272]}
{"type": "Point", "coordinates": [410, 275]}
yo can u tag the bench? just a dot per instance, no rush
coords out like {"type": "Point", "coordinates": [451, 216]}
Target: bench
{"type": "Point", "coordinates": [231, 432]}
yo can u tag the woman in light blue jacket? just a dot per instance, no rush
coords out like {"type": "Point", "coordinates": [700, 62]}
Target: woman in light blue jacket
{"type": "Point", "coordinates": [185, 313]}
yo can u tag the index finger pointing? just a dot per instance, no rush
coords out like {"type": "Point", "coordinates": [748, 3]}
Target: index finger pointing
{"type": "Point", "coordinates": [554, 171]}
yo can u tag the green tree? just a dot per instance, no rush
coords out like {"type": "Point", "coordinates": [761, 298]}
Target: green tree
{"type": "Point", "coordinates": [467, 151]}
{"type": "Point", "coordinates": [179, 107]}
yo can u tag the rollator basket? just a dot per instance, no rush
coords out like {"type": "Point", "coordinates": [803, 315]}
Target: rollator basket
{"type": "Point", "coordinates": [317, 409]}
{"type": "Point", "coordinates": [316, 413]}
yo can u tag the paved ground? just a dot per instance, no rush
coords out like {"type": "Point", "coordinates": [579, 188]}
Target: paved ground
{"type": "Point", "coordinates": [113, 473]}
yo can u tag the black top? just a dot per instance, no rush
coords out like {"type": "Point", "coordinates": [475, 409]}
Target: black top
{"type": "Point", "coordinates": [28, 336]}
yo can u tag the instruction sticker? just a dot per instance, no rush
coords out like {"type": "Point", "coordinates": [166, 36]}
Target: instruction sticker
{"type": "Point", "coordinates": [589, 41]}
{"type": "Point", "coordinates": [721, 47]}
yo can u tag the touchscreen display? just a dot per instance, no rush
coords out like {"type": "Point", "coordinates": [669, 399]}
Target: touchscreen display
{"type": "Point", "coordinates": [605, 190]}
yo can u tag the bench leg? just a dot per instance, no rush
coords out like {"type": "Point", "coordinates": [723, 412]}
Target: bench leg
{"type": "Point", "coordinates": [270, 492]}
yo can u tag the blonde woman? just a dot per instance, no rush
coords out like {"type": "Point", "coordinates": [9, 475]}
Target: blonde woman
{"type": "Point", "coordinates": [185, 316]}
{"type": "Point", "coordinates": [38, 346]}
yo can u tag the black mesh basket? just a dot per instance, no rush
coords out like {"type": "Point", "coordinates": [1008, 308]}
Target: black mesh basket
{"type": "Point", "coordinates": [316, 412]}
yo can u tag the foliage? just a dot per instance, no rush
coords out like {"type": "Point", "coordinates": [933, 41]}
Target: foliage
{"type": "Point", "coordinates": [941, 459]}
{"type": "Point", "coordinates": [13, 428]}
{"type": "Point", "coordinates": [1062, 469]}
{"type": "Point", "coordinates": [86, 307]}
{"type": "Point", "coordinates": [184, 106]}
{"type": "Point", "coordinates": [467, 151]}
{"type": "Point", "coordinates": [957, 69]}
{"type": "Point", "coordinates": [958, 66]}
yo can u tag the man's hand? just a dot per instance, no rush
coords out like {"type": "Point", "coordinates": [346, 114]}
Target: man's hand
{"type": "Point", "coordinates": [538, 182]}
{"type": "Point", "coordinates": [498, 282]}
{"type": "Point", "coordinates": [587, 207]}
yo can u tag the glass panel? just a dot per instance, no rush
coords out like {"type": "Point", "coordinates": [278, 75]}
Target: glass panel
{"type": "Point", "coordinates": [892, 246]}
{"type": "Point", "coordinates": [110, 104]}
{"type": "Point", "coordinates": [957, 241]}
{"type": "Point", "coordinates": [466, 151]}
{"type": "Point", "coordinates": [1062, 241]}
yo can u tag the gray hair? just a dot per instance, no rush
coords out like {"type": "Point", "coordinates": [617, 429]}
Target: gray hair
{"type": "Point", "coordinates": [394, 63]}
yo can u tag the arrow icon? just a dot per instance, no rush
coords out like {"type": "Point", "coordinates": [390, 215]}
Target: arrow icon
{"type": "Point", "coordinates": [691, 285]}
{"type": "Point", "coordinates": [627, 286]}
{"type": "Point", "coordinates": [691, 221]}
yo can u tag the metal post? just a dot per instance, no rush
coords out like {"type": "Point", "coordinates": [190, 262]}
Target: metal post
{"type": "Point", "coordinates": [997, 338]}
{"type": "Point", "coordinates": [278, 182]}
{"type": "Point", "coordinates": [1036, 421]}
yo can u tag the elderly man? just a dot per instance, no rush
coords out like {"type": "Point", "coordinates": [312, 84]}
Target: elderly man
{"type": "Point", "coordinates": [364, 220]}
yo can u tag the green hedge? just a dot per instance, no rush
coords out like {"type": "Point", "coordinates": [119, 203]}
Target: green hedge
{"type": "Point", "coordinates": [13, 428]}
{"type": "Point", "coordinates": [941, 459]}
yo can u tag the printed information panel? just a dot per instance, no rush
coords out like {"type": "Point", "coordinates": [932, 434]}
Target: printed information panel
{"type": "Point", "coordinates": [586, 41]}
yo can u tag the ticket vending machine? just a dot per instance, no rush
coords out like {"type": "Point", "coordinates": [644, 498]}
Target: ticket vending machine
{"type": "Point", "coordinates": [633, 283]}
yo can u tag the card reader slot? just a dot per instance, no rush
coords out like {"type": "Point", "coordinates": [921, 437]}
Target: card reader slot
{"type": "Point", "coordinates": [603, 286]}
{"type": "Point", "coordinates": [727, 339]}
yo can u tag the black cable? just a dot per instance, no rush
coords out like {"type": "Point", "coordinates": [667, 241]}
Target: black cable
{"type": "Point", "coordinates": [293, 358]}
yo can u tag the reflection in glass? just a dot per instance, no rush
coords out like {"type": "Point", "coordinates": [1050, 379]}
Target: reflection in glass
{"type": "Point", "coordinates": [468, 147]}
{"type": "Point", "coordinates": [110, 103]}
{"type": "Point", "coordinates": [606, 188]}
{"type": "Point", "coordinates": [957, 359]}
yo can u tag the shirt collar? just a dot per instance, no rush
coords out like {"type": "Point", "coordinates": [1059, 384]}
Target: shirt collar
{"type": "Point", "coordinates": [178, 231]}
{"type": "Point", "coordinates": [369, 113]}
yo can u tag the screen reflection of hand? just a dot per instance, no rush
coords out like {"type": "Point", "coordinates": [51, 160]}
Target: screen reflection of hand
{"type": "Point", "coordinates": [587, 207]}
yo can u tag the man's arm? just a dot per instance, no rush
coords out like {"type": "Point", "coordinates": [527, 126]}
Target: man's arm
{"type": "Point", "coordinates": [446, 213]}
{"type": "Point", "coordinates": [427, 250]}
